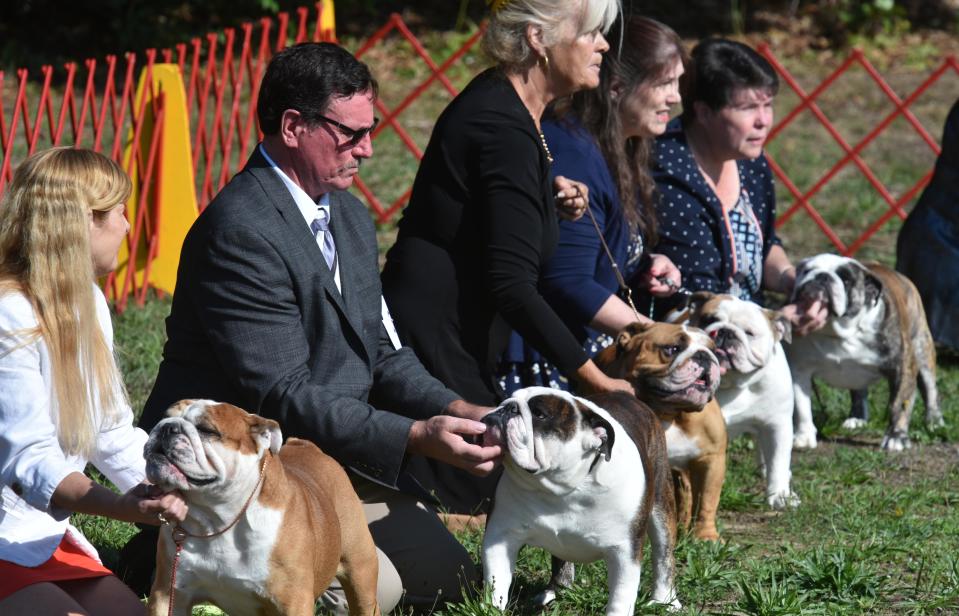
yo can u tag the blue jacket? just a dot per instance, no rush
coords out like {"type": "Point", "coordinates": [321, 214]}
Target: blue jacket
{"type": "Point", "coordinates": [578, 279]}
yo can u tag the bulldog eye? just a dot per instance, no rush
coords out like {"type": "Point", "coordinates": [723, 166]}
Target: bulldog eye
{"type": "Point", "coordinates": [669, 351]}
{"type": "Point", "coordinates": [207, 430]}
{"type": "Point", "coordinates": [537, 412]}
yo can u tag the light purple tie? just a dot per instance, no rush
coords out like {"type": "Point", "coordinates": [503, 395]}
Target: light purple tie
{"type": "Point", "coordinates": [322, 224]}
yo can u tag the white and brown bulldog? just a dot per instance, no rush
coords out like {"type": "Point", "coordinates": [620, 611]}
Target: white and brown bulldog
{"type": "Point", "coordinates": [268, 527]}
{"type": "Point", "coordinates": [584, 479]}
{"type": "Point", "coordinates": [674, 370]}
{"type": "Point", "coordinates": [876, 329]}
{"type": "Point", "coordinates": [755, 392]}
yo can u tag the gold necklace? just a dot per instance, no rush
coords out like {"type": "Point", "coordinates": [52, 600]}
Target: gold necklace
{"type": "Point", "coordinates": [542, 139]}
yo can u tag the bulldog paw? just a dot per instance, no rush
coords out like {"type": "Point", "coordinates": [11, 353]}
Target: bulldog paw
{"type": "Point", "coordinates": [783, 500]}
{"type": "Point", "coordinates": [804, 440]}
{"type": "Point", "coordinates": [935, 421]}
{"type": "Point", "coordinates": [544, 598]}
{"type": "Point", "coordinates": [671, 605]}
{"type": "Point", "coordinates": [706, 534]}
{"type": "Point", "coordinates": [895, 442]}
{"type": "Point", "coordinates": [854, 423]}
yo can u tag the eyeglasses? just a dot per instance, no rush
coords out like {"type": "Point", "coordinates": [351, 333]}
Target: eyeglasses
{"type": "Point", "coordinates": [353, 135]}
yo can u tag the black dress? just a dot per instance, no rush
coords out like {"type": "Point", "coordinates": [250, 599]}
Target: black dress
{"type": "Point", "coordinates": [480, 224]}
{"type": "Point", "coordinates": [464, 270]}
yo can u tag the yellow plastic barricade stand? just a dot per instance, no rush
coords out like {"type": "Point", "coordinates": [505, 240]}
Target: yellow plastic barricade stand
{"type": "Point", "coordinates": [175, 205]}
{"type": "Point", "coordinates": [327, 20]}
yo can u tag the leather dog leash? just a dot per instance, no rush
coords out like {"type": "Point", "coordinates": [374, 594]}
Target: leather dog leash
{"type": "Point", "coordinates": [180, 534]}
{"type": "Point", "coordinates": [623, 287]}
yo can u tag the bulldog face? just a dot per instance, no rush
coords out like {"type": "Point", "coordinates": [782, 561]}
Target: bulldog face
{"type": "Point", "coordinates": [204, 444]}
{"type": "Point", "coordinates": [842, 284]}
{"type": "Point", "coordinates": [546, 431]}
{"type": "Point", "coordinates": [672, 367]}
{"type": "Point", "coordinates": [744, 333]}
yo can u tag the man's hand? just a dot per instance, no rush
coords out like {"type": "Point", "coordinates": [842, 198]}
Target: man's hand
{"type": "Point", "coordinates": [441, 438]}
{"type": "Point", "coordinates": [462, 408]}
{"type": "Point", "coordinates": [662, 277]}
{"type": "Point", "coordinates": [806, 318]}
{"type": "Point", "coordinates": [572, 198]}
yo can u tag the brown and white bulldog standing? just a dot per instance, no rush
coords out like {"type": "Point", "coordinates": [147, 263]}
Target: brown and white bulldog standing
{"type": "Point", "coordinates": [876, 329]}
{"type": "Point", "coordinates": [674, 370]}
{"type": "Point", "coordinates": [268, 527]}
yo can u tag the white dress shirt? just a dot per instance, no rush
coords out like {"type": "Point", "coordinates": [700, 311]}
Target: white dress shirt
{"type": "Point", "coordinates": [32, 464]}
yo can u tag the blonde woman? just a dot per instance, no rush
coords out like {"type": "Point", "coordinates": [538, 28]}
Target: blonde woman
{"type": "Point", "coordinates": [62, 403]}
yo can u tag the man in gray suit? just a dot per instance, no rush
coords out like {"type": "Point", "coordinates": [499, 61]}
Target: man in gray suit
{"type": "Point", "coordinates": [278, 310]}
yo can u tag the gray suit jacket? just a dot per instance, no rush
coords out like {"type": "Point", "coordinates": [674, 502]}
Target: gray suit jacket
{"type": "Point", "coordinates": [257, 321]}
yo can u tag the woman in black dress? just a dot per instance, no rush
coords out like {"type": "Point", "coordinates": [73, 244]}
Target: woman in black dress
{"type": "Point", "coordinates": [482, 217]}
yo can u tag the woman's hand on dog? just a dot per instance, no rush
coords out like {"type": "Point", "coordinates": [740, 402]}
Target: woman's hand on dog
{"type": "Point", "coordinates": [154, 506]}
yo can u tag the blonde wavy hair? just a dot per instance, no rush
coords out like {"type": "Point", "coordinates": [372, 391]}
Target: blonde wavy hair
{"type": "Point", "coordinates": [505, 38]}
{"type": "Point", "coordinates": [45, 253]}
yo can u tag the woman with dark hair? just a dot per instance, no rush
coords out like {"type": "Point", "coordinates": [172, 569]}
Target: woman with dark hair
{"type": "Point", "coordinates": [603, 138]}
{"type": "Point", "coordinates": [718, 208]}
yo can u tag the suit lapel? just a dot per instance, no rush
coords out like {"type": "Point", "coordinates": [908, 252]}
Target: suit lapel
{"type": "Point", "coordinates": [352, 273]}
{"type": "Point", "coordinates": [299, 233]}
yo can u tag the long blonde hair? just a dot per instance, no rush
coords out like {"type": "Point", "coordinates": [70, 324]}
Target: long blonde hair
{"type": "Point", "coordinates": [45, 254]}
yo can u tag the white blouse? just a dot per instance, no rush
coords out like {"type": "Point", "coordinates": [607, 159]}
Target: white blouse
{"type": "Point", "coordinates": [32, 464]}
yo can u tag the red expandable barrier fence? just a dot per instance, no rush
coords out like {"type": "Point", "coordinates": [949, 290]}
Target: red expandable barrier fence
{"type": "Point", "coordinates": [95, 106]}
{"type": "Point", "coordinates": [807, 102]}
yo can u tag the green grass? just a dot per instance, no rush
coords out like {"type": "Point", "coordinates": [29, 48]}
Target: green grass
{"type": "Point", "coordinates": [876, 532]}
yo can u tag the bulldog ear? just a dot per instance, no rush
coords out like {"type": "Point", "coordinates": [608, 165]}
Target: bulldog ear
{"type": "Point", "coordinates": [781, 326]}
{"type": "Point", "coordinates": [602, 430]}
{"type": "Point", "coordinates": [267, 433]}
{"type": "Point", "coordinates": [626, 334]}
{"type": "Point", "coordinates": [697, 299]}
{"type": "Point", "coordinates": [873, 287]}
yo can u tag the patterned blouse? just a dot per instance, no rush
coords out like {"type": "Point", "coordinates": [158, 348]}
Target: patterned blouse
{"type": "Point", "coordinates": [692, 227]}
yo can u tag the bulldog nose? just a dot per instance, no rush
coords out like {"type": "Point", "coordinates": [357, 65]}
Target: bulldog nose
{"type": "Point", "coordinates": [703, 358]}
{"type": "Point", "coordinates": [720, 336]}
{"type": "Point", "coordinates": [167, 430]}
{"type": "Point", "coordinates": [501, 415]}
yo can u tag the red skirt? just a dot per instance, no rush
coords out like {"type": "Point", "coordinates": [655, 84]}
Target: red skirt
{"type": "Point", "coordinates": [67, 563]}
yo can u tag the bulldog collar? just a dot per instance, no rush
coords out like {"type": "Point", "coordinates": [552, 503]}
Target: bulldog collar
{"type": "Point", "coordinates": [180, 534]}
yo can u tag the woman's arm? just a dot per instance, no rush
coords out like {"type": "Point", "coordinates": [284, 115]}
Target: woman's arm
{"type": "Point", "coordinates": [779, 275]}
{"type": "Point", "coordinates": [517, 203]}
{"type": "Point", "coordinates": [142, 504]}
